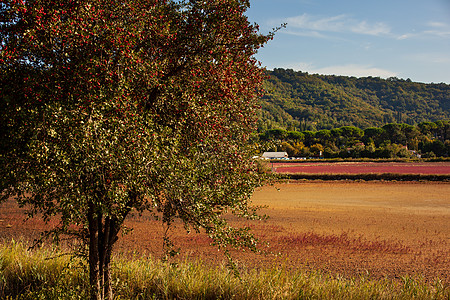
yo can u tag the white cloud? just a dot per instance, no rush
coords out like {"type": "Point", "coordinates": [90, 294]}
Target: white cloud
{"type": "Point", "coordinates": [344, 70]}
{"type": "Point", "coordinates": [340, 23]}
{"type": "Point", "coordinates": [407, 36]}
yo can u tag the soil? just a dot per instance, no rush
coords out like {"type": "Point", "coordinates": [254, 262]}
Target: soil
{"type": "Point", "coordinates": [378, 228]}
{"type": "Point", "coordinates": [347, 228]}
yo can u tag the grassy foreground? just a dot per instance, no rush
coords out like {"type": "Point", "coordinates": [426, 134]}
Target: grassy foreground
{"type": "Point", "coordinates": [47, 274]}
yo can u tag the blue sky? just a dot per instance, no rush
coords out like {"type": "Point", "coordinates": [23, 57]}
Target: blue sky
{"type": "Point", "coordinates": [380, 38]}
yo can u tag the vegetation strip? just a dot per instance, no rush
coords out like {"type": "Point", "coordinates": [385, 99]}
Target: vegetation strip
{"type": "Point", "coordinates": [367, 177]}
{"type": "Point", "coordinates": [425, 140]}
{"type": "Point", "coordinates": [46, 274]}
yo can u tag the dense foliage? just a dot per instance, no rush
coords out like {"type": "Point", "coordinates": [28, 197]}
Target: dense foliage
{"type": "Point", "coordinates": [427, 139]}
{"type": "Point", "coordinates": [301, 101]}
{"type": "Point", "coordinates": [114, 106]}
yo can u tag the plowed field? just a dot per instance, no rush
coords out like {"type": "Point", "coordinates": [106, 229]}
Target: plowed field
{"type": "Point", "coordinates": [375, 229]}
{"type": "Point", "coordinates": [426, 168]}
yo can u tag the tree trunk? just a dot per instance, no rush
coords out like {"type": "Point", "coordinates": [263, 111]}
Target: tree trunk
{"type": "Point", "coordinates": [109, 237]}
{"type": "Point", "coordinates": [107, 277]}
{"type": "Point", "coordinates": [94, 259]}
{"type": "Point", "coordinates": [103, 234]}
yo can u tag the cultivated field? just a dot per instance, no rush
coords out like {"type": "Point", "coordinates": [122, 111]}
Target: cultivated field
{"type": "Point", "coordinates": [373, 229]}
{"type": "Point", "coordinates": [424, 168]}
{"type": "Point", "coordinates": [350, 228]}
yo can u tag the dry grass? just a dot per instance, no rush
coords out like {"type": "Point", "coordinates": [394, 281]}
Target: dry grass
{"type": "Point", "coordinates": [45, 274]}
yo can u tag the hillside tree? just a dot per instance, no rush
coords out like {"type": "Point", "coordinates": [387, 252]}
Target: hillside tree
{"type": "Point", "coordinates": [110, 107]}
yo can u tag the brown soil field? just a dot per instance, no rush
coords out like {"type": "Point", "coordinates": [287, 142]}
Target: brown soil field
{"type": "Point", "coordinates": [347, 228]}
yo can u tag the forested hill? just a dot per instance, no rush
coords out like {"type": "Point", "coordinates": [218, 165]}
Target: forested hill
{"type": "Point", "coordinates": [301, 101]}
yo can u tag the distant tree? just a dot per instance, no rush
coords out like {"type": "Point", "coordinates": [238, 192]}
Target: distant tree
{"type": "Point", "coordinates": [370, 148]}
{"type": "Point", "coordinates": [395, 133]}
{"type": "Point", "coordinates": [442, 130]}
{"type": "Point", "coordinates": [295, 135]}
{"type": "Point", "coordinates": [287, 147]}
{"type": "Point", "coordinates": [316, 149]}
{"type": "Point", "coordinates": [411, 135]}
{"type": "Point", "coordinates": [347, 135]}
{"type": "Point", "coordinates": [309, 137]}
{"type": "Point", "coordinates": [271, 134]}
{"type": "Point", "coordinates": [375, 134]}
{"type": "Point", "coordinates": [352, 132]}
{"type": "Point", "coordinates": [428, 128]}
{"type": "Point", "coordinates": [114, 106]}
{"type": "Point", "coordinates": [436, 147]}
{"type": "Point", "coordinates": [325, 137]}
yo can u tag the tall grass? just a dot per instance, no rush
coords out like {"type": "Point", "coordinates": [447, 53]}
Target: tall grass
{"type": "Point", "coordinates": [45, 274]}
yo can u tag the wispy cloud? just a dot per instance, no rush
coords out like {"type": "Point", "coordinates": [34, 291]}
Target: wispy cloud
{"type": "Point", "coordinates": [438, 29]}
{"type": "Point", "coordinates": [438, 24]}
{"type": "Point", "coordinates": [378, 28]}
{"type": "Point", "coordinates": [433, 29]}
{"type": "Point", "coordinates": [309, 33]}
{"type": "Point", "coordinates": [324, 26]}
{"type": "Point", "coordinates": [430, 58]}
{"type": "Point", "coordinates": [407, 36]}
{"type": "Point", "coordinates": [355, 70]}
{"type": "Point", "coordinates": [339, 23]}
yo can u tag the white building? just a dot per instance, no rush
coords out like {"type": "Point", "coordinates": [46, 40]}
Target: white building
{"type": "Point", "coordinates": [275, 155]}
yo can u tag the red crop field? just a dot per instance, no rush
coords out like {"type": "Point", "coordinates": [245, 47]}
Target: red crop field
{"type": "Point", "coordinates": [423, 168]}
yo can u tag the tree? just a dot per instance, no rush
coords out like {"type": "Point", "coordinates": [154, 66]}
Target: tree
{"type": "Point", "coordinates": [375, 134]}
{"type": "Point", "coordinates": [287, 147]}
{"type": "Point", "coordinates": [309, 137]}
{"type": "Point", "coordinates": [324, 137]}
{"type": "Point", "coordinates": [351, 133]}
{"type": "Point", "coordinates": [295, 135]}
{"type": "Point", "coordinates": [316, 149]}
{"type": "Point", "coordinates": [116, 106]}
{"type": "Point", "coordinates": [274, 134]}
{"type": "Point", "coordinates": [428, 128]}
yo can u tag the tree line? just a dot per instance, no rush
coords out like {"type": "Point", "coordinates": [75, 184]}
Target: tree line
{"type": "Point", "coordinates": [393, 140]}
